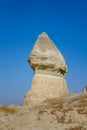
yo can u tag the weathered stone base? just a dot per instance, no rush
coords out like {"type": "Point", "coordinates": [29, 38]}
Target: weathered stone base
{"type": "Point", "coordinates": [44, 87]}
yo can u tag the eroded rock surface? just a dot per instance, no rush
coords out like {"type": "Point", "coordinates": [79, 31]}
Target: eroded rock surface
{"type": "Point", "coordinates": [63, 113]}
{"type": "Point", "coordinates": [85, 89]}
{"type": "Point", "coordinates": [50, 69]}
{"type": "Point", "coordinates": [46, 58]}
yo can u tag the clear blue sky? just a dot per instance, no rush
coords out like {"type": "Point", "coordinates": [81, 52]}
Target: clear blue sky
{"type": "Point", "coordinates": [21, 21]}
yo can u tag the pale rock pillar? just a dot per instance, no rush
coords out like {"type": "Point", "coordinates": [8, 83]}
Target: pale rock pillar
{"type": "Point", "coordinates": [50, 69]}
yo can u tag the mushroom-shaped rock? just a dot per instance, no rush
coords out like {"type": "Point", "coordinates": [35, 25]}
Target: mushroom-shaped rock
{"type": "Point", "coordinates": [50, 68]}
{"type": "Point", "coordinates": [45, 57]}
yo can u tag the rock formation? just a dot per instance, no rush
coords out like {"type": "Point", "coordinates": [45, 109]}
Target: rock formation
{"type": "Point", "coordinates": [85, 89]}
{"type": "Point", "coordinates": [62, 113]}
{"type": "Point", "coordinates": [48, 106]}
{"type": "Point", "coordinates": [50, 69]}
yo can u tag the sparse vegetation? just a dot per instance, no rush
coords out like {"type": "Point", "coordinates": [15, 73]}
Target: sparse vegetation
{"type": "Point", "coordinates": [82, 110]}
{"type": "Point", "coordinates": [69, 112]}
{"type": "Point", "coordinates": [41, 112]}
{"type": "Point", "coordinates": [77, 128]}
{"type": "Point", "coordinates": [9, 109]}
{"type": "Point", "coordinates": [54, 103]}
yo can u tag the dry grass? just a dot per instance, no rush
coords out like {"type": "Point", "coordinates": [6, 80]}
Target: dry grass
{"type": "Point", "coordinates": [77, 128]}
{"type": "Point", "coordinates": [9, 109]}
{"type": "Point", "coordinates": [78, 103]}
{"type": "Point", "coordinates": [41, 112]}
{"type": "Point", "coordinates": [82, 111]}
{"type": "Point", "coordinates": [54, 103]}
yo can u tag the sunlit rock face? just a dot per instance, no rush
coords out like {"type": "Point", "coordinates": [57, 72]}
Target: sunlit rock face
{"type": "Point", "coordinates": [85, 89]}
{"type": "Point", "coordinates": [50, 69]}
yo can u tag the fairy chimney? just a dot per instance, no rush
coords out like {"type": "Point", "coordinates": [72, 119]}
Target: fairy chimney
{"type": "Point", "coordinates": [85, 89]}
{"type": "Point", "coordinates": [49, 71]}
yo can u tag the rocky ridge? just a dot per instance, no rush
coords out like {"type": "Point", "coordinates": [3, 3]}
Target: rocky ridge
{"type": "Point", "coordinates": [62, 113]}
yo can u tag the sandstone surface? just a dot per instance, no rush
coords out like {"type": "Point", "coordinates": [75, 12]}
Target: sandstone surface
{"type": "Point", "coordinates": [63, 113]}
{"type": "Point", "coordinates": [49, 71]}
{"type": "Point", "coordinates": [45, 58]}
{"type": "Point", "coordinates": [85, 89]}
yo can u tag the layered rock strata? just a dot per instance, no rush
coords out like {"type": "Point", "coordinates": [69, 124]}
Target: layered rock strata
{"type": "Point", "coordinates": [50, 69]}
